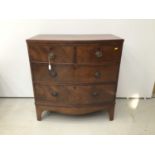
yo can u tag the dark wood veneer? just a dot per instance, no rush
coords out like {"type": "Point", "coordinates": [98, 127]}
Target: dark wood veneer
{"type": "Point", "coordinates": [76, 73]}
{"type": "Point", "coordinates": [61, 94]}
{"type": "Point", "coordinates": [84, 73]}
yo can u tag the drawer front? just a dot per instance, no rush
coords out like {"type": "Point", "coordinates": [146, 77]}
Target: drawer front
{"type": "Point", "coordinates": [98, 53]}
{"type": "Point", "coordinates": [77, 74]}
{"type": "Point", "coordinates": [60, 53]}
{"type": "Point", "coordinates": [59, 94]}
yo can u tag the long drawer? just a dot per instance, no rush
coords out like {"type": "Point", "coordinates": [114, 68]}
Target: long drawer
{"type": "Point", "coordinates": [75, 73]}
{"type": "Point", "coordinates": [60, 94]}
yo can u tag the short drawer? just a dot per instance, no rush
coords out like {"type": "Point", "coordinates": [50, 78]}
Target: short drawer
{"type": "Point", "coordinates": [76, 74]}
{"type": "Point", "coordinates": [60, 53]}
{"type": "Point", "coordinates": [98, 53]}
{"type": "Point", "coordinates": [60, 94]}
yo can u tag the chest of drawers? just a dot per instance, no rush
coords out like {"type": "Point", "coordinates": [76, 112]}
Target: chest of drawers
{"type": "Point", "coordinates": [75, 74]}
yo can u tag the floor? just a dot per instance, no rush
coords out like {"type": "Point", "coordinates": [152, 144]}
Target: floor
{"type": "Point", "coordinates": [132, 116]}
{"type": "Point", "coordinates": [153, 93]}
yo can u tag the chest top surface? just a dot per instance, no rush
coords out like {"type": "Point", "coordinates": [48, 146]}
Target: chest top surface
{"type": "Point", "coordinates": [73, 37]}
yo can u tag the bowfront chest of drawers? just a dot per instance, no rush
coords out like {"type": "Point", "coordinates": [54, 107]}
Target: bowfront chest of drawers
{"type": "Point", "coordinates": [75, 74]}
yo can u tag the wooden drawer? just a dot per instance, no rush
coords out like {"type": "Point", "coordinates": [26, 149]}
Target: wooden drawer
{"type": "Point", "coordinates": [98, 53]}
{"type": "Point", "coordinates": [59, 94]}
{"type": "Point", "coordinates": [62, 53]}
{"type": "Point", "coordinates": [76, 74]}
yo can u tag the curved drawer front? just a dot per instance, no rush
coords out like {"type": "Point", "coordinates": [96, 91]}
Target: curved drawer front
{"type": "Point", "coordinates": [98, 53]}
{"type": "Point", "coordinates": [62, 54]}
{"type": "Point", "coordinates": [59, 94]}
{"type": "Point", "coordinates": [76, 74]}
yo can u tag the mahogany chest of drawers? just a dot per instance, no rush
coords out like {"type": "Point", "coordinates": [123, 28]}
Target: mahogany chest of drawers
{"type": "Point", "coordinates": [75, 74]}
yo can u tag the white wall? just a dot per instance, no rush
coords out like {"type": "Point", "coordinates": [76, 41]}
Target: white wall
{"type": "Point", "coordinates": [137, 72]}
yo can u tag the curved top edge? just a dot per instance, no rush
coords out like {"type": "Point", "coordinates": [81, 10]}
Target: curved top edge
{"type": "Point", "coordinates": [74, 37]}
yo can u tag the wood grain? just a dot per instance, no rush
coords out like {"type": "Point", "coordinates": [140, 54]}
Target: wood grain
{"type": "Point", "coordinates": [76, 73]}
{"type": "Point", "coordinates": [87, 70]}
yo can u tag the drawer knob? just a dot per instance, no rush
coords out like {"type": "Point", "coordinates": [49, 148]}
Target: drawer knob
{"type": "Point", "coordinates": [51, 56]}
{"type": "Point", "coordinates": [53, 73]}
{"type": "Point", "coordinates": [98, 54]}
{"type": "Point", "coordinates": [97, 74]}
{"type": "Point", "coordinates": [95, 94]}
{"type": "Point", "coordinates": [54, 94]}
